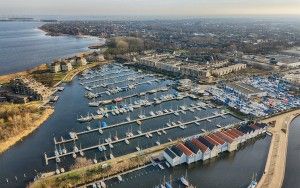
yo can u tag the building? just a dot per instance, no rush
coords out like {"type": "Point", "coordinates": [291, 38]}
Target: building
{"type": "Point", "coordinates": [197, 151]}
{"type": "Point", "coordinates": [248, 131]}
{"type": "Point", "coordinates": [80, 61]}
{"type": "Point", "coordinates": [31, 88]}
{"type": "Point", "coordinates": [220, 141]}
{"type": "Point", "coordinates": [55, 67]}
{"type": "Point", "coordinates": [204, 149]}
{"type": "Point", "coordinates": [179, 153]}
{"type": "Point", "coordinates": [245, 90]}
{"type": "Point", "coordinates": [189, 155]}
{"type": "Point", "coordinates": [95, 57]}
{"type": "Point", "coordinates": [229, 69]}
{"type": "Point", "coordinates": [214, 151]}
{"type": "Point", "coordinates": [209, 146]}
{"type": "Point", "coordinates": [66, 66]}
{"type": "Point", "coordinates": [232, 144]}
{"type": "Point", "coordinates": [171, 157]}
{"type": "Point", "coordinates": [215, 143]}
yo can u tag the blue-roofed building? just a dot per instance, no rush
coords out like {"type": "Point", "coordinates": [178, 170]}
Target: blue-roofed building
{"type": "Point", "coordinates": [179, 153]}
{"type": "Point", "coordinates": [171, 157]}
{"type": "Point", "coordinates": [198, 153]}
{"type": "Point", "coordinates": [214, 151]}
{"type": "Point", "coordinates": [248, 131]}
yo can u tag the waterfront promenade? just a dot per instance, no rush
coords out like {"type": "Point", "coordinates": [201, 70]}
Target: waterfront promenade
{"type": "Point", "coordinates": [275, 166]}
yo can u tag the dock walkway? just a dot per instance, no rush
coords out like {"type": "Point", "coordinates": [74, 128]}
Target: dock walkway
{"type": "Point", "coordinates": [107, 78]}
{"type": "Point", "coordinates": [135, 136]}
{"type": "Point", "coordinates": [128, 122]}
{"type": "Point", "coordinates": [125, 87]}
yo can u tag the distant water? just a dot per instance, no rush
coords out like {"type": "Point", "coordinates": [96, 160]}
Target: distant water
{"type": "Point", "coordinates": [23, 46]}
{"type": "Point", "coordinates": [292, 171]}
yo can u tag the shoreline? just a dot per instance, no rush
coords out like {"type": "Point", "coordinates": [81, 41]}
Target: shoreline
{"type": "Point", "coordinates": [4, 146]}
{"type": "Point", "coordinates": [274, 170]}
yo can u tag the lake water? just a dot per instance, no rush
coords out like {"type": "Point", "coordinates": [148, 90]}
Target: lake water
{"type": "Point", "coordinates": [27, 156]}
{"type": "Point", "coordinates": [292, 171]}
{"type": "Point", "coordinates": [23, 46]}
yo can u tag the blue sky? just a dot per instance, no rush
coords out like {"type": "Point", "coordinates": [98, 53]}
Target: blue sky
{"type": "Point", "coordinates": [149, 7]}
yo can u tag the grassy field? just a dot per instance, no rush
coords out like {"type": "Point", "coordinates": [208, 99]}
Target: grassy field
{"type": "Point", "coordinates": [19, 120]}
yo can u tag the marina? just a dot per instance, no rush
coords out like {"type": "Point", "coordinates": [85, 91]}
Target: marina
{"type": "Point", "coordinates": [191, 115]}
{"type": "Point", "coordinates": [179, 124]}
{"type": "Point", "coordinates": [112, 136]}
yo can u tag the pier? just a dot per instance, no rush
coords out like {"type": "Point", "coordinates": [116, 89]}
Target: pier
{"type": "Point", "coordinates": [121, 81]}
{"type": "Point", "coordinates": [103, 79]}
{"type": "Point", "coordinates": [180, 125]}
{"type": "Point", "coordinates": [108, 101]}
{"type": "Point", "coordinates": [125, 87]}
{"type": "Point", "coordinates": [135, 121]}
{"type": "Point", "coordinates": [102, 75]}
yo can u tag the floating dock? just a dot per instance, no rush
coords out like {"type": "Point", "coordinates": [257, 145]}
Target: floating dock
{"type": "Point", "coordinates": [131, 137]}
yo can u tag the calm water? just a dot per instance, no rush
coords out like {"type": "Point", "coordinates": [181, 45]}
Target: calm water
{"type": "Point", "coordinates": [292, 171]}
{"type": "Point", "coordinates": [23, 46]}
{"type": "Point", "coordinates": [27, 156]}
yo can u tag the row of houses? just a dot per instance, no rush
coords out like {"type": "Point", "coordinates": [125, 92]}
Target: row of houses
{"type": "Point", "coordinates": [229, 69]}
{"type": "Point", "coordinates": [29, 87]}
{"type": "Point", "coordinates": [170, 64]}
{"type": "Point", "coordinates": [68, 63]}
{"type": "Point", "coordinates": [209, 146]}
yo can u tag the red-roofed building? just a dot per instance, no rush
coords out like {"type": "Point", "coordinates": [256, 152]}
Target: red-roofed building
{"type": "Point", "coordinates": [204, 149]}
{"type": "Point", "coordinates": [241, 136]}
{"type": "Point", "coordinates": [223, 144]}
{"type": "Point", "coordinates": [232, 143]}
{"type": "Point", "coordinates": [190, 156]}
{"type": "Point", "coordinates": [215, 143]}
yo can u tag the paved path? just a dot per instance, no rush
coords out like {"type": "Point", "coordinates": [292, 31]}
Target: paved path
{"type": "Point", "coordinates": [275, 166]}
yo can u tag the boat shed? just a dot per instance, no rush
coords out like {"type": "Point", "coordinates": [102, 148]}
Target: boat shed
{"type": "Point", "coordinates": [189, 155]}
{"type": "Point", "coordinates": [213, 149]}
{"type": "Point", "coordinates": [171, 157]}
{"type": "Point", "coordinates": [204, 149]}
{"type": "Point", "coordinates": [198, 153]}
{"type": "Point", "coordinates": [223, 144]}
{"type": "Point", "coordinates": [179, 153]}
{"type": "Point", "coordinates": [249, 132]}
{"type": "Point", "coordinates": [231, 142]}
{"type": "Point", "coordinates": [241, 136]}
{"type": "Point", "coordinates": [215, 143]}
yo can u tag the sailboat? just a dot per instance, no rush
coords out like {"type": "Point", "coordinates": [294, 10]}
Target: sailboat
{"type": "Point", "coordinates": [99, 146]}
{"type": "Point", "coordinates": [80, 151]}
{"type": "Point", "coordinates": [184, 180]}
{"type": "Point", "coordinates": [95, 160]}
{"type": "Point", "coordinates": [64, 149]}
{"type": "Point", "coordinates": [253, 183]}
